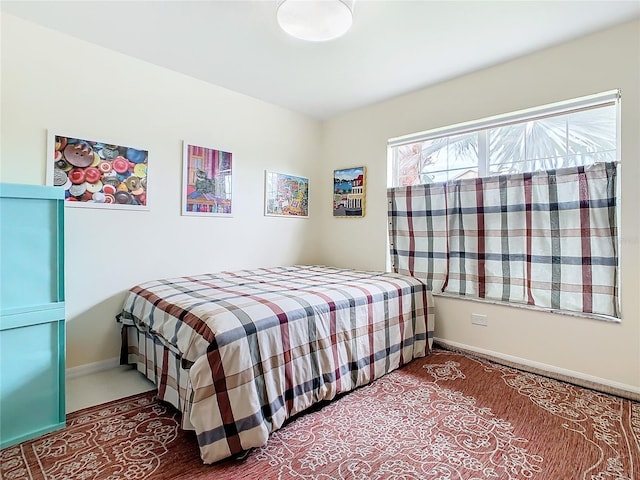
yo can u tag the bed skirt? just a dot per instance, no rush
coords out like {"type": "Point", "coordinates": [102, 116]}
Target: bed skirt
{"type": "Point", "coordinates": [156, 362]}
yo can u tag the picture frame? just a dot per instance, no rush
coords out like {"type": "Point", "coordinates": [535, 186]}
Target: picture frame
{"type": "Point", "coordinates": [98, 173]}
{"type": "Point", "coordinates": [207, 181]}
{"type": "Point", "coordinates": [286, 195]}
{"type": "Point", "coordinates": [349, 192]}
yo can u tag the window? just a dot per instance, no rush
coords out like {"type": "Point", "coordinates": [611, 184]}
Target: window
{"type": "Point", "coordinates": [583, 131]}
{"type": "Point", "coordinates": [520, 208]}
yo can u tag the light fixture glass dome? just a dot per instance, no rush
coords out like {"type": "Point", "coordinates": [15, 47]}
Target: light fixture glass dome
{"type": "Point", "coordinates": [315, 20]}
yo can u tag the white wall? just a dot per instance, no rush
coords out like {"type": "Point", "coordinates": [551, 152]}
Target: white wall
{"type": "Point", "coordinates": [53, 81]}
{"type": "Point", "coordinates": [608, 352]}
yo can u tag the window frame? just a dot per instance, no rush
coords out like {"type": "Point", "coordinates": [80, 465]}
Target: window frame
{"type": "Point", "coordinates": [607, 98]}
{"type": "Point", "coordinates": [481, 127]}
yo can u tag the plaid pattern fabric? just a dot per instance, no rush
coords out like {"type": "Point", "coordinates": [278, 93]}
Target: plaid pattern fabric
{"type": "Point", "coordinates": [263, 345]}
{"type": "Point", "coordinates": [160, 365]}
{"type": "Point", "coordinates": [545, 238]}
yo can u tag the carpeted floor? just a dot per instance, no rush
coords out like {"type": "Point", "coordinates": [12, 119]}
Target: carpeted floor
{"type": "Point", "coordinates": [447, 416]}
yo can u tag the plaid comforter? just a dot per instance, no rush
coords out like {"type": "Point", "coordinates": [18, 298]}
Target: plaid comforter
{"type": "Point", "coordinates": [263, 345]}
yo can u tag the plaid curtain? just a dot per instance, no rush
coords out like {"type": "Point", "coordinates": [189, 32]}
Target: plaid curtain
{"type": "Point", "coordinates": [547, 239]}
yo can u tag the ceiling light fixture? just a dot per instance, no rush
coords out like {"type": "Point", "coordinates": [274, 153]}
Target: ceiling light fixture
{"type": "Point", "coordinates": [315, 20]}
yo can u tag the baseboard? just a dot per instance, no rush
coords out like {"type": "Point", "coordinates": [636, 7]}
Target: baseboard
{"type": "Point", "coordinates": [577, 378]}
{"type": "Point", "coordinates": [90, 368]}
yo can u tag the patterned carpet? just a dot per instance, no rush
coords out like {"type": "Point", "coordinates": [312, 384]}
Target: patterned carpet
{"type": "Point", "coordinates": [447, 416]}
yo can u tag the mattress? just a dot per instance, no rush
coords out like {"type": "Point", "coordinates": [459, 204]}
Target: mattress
{"type": "Point", "coordinates": [241, 352]}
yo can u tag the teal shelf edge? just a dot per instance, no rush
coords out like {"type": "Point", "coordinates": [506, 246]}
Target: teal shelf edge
{"type": "Point", "coordinates": [33, 434]}
{"type": "Point", "coordinates": [33, 315]}
{"type": "Point", "coordinates": [15, 190]}
{"type": "Point", "coordinates": [60, 249]}
{"type": "Point", "coordinates": [62, 372]}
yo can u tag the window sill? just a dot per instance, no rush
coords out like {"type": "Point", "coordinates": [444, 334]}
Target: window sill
{"type": "Point", "coordinates": [593, 316]}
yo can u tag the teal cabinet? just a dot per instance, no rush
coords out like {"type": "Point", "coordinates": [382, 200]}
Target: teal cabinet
{"type": "Point", "coordinates": [32, 312]}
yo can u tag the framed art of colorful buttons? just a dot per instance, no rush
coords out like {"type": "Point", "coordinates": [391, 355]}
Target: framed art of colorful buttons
{"type": "Point", "coordinates": [97, 173]}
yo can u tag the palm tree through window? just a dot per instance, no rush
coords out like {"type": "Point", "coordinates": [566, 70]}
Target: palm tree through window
{"type": "Point", "coordinates": [577, 136]}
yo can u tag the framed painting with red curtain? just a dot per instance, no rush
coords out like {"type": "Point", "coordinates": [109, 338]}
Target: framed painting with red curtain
{"type": "Point", "coordinates": [207, 181]}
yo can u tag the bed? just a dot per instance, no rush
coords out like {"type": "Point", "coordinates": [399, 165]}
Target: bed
{"type": "Point", "coordinates": [239, 353]}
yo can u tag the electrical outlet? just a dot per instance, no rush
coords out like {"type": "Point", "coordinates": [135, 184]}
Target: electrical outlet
{"type": "Point", "coordinates": [478, 319]}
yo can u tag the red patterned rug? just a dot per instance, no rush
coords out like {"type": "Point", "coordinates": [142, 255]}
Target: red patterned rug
{"type": "Point", "coordinates": [448, 416]}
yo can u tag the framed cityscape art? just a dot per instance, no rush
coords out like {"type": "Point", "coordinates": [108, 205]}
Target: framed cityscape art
{"type": "Point", "coordinates": [286, 195]}
{"type": "Point", "coordinates": [349, 190]}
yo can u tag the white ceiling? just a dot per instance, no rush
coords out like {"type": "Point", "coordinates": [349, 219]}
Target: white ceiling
{"type": "Point", "coordinates": [394, 47]}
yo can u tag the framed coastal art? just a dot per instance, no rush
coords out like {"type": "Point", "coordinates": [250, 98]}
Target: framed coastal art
{"type": "Point", "coordinates": [286, 195]}
{"type": "Point", "coordinates": [97, 173]}
{"type": "Point", "coordinates": [207, 181]}
{"type": "Point", "coordinates": [349, 192]}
